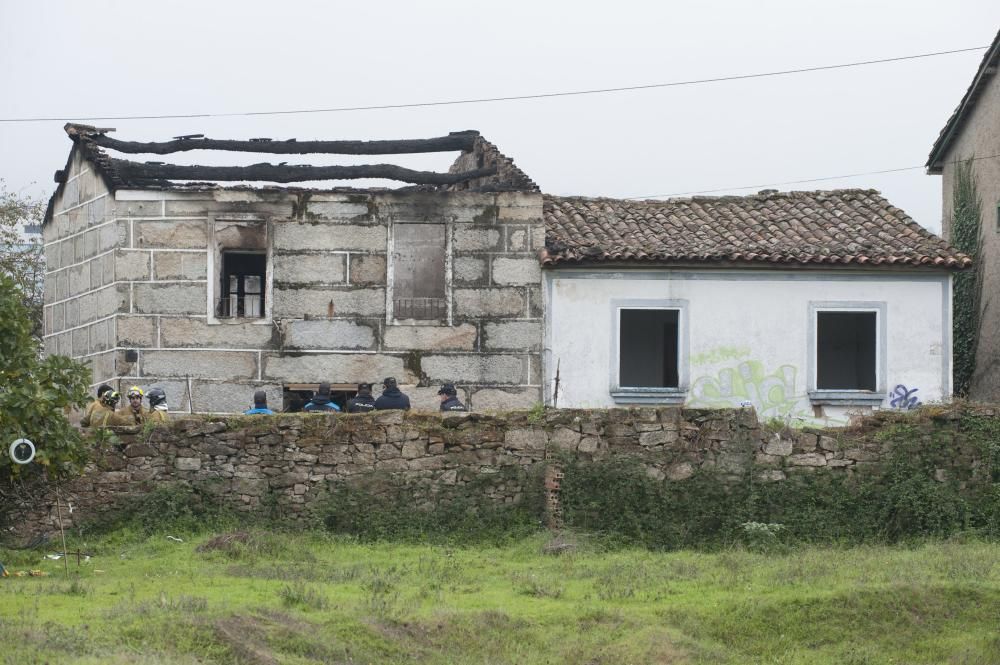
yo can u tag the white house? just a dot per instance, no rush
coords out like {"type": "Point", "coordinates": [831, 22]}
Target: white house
{"type": "Point", "coordinates": [808, 305]}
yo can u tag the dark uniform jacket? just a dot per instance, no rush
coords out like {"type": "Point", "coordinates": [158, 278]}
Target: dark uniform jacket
{"type": "Point", "coordinates": [452, 404]}
{"type": "Point", "coordinates": [361, 404]}
{"type": "Point", "coordinates": [392, 399]}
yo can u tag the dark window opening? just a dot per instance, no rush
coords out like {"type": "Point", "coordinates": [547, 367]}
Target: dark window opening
{"type": "Point", "coordinates": [647, 342]}
{"type": "Point", "coordinates": [296, 395]}
{"type": "Point", "coordinates": [418, 268]}
{"type": "Point", "coordinates": [242, 287]}
{"type": "Point", "coordinates": [845, 350]}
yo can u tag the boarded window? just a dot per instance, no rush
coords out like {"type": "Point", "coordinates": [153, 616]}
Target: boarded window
{"type": "Point", "coordinates": [845, 350]}
{"type": "Point", "coordinates": [418, 267]}
{"type": "Point", "coordinates": [647, 343]}
{"type": "Point", "coordinates": [242, 288]}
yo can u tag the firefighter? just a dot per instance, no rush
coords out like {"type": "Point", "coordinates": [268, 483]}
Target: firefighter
{"type": "Point", "coordinates": [97, 408]}
{"type": "Point", "coordinates": [157, 405]}
{"type": "Point", "coordinates": [133, 413]}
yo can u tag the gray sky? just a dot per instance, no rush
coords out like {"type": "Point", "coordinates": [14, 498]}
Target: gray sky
{"type": "Point", "coordinates": [73, 59]}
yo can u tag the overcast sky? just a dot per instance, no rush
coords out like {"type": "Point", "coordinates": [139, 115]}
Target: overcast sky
{"type": "Point", "coordinates": [72, 59]}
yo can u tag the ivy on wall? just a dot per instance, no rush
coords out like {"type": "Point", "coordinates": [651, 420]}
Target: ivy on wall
{"type": "Point", "coordinates": [966, 236]}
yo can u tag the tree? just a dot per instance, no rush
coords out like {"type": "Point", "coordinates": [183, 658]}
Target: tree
{"type": "Point", "coordinates": [21, 260]}
{"type": "Point", "coordinates": [966, 236]}
{"type": "Point", "coordinates": [36, 393]}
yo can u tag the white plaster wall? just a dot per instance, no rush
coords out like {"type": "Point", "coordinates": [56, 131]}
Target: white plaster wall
{"type": "Point", "coordinates": [746, 322]}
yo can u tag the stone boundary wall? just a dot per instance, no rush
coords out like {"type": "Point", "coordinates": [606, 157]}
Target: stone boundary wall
{"type": "Point", "coordinates": [290, 460]}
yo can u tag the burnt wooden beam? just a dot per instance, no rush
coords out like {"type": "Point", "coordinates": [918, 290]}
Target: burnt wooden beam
{"type": "Point", "coordinates": [463, 141]}
{"type": "Point", "coordinates": [136, 171]}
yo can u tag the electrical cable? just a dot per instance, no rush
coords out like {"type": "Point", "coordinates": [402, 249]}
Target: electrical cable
{"type": "Point", "coordinates": [481, 100]}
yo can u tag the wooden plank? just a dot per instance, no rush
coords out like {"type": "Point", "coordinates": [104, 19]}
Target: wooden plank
{"type": "Point", "coordinates": [313, 387]}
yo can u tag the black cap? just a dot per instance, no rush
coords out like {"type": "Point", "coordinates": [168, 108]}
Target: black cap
{"type": "Point", "coordinates": [260, 397]}
{"type": "Point", "coordinates": [364, 387]}
{"type": "Point", "coordinates": [324, 388]}
{"type": "Point", "coordinates": [447, 389]}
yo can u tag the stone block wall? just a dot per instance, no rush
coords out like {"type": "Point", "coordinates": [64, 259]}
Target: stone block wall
{"type": "Point", "coordinates": [152, 258]}
{"type": "Point", "coordinates": [292, 460]}
{"type": "Point", "coordinates": [330, 284]}
{"type": "Point", "coordinates": [82, 293]}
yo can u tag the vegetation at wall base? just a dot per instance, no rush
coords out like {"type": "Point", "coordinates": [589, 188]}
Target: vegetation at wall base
{"type": "Point", "coordinates": [966, 236]}
{"type": "Point", "coordinates": [905, 499]}
{"type": "Point", "coordinates": [379, 508]}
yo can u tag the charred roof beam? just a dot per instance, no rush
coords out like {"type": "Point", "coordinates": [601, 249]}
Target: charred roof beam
{"type": "Point", "coordinates": [463, 141]}
{"type": "Point", "coordinates": [135, 171]}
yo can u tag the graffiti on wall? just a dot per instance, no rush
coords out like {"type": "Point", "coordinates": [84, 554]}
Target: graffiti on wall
{"type": "Point", "coordinates": [903, 398]}
{"type": "Point", "coordinates": [772, 394]}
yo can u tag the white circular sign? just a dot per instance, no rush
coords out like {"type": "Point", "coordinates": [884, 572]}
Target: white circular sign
{"type": "Point", "coordinates": [22, 451]}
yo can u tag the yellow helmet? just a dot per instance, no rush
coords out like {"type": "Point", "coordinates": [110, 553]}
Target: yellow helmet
{"type": "Point", "coordinates": [134, 391]}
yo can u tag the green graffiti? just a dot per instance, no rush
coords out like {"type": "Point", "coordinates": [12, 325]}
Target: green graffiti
{"type": "Point", "coordinates": [771, 394]}
{"type": "Point", "coordinates": [719, 354]}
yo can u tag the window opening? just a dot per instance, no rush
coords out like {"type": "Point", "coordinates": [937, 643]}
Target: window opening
{"type": "Point", "coordinates": [647, 353]}
{"type": "Point", "coordinates": [296, 395]}
{"type": "Point", "coordinates": [243, 279]}
{"type": "Point", "coordinates": [845, 350]}
{"type": "Point", "coordinates": [418, 260]}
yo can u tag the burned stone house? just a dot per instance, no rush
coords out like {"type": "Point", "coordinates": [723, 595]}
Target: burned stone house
{"type": "Point", "coordinates": [806, 305]}
{"type": "Point", "coordinates": [160, 275]}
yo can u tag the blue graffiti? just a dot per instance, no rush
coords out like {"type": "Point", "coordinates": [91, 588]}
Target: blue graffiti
{"type": "Point", "coordinates": [903, 398]}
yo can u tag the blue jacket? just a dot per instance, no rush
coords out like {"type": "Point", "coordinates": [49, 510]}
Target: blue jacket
{"type": "Point", "coordinates": [318, 403]}
{"type": "Point", "coordinates": [392, 399]}
{"type": "Point", "coordinates": [258, 410]}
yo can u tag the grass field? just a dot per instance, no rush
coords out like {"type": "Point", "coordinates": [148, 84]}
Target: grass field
{"type": "Point", "coordinates": [313, 598]}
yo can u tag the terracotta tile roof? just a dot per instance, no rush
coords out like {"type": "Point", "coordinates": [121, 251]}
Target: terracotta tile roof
{"type": "Point", "coordinates": [987, 69]}
{"type": "Point", "coordinates": [846, 226]}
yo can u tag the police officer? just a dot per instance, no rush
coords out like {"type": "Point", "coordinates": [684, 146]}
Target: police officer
{"type": "Point", "coordinates": [97, 408]}
{"type": "Point", "coordinates": [392, 397]}
{"type": "Point", "coordinates": [449, 398]}
{"type": "Point", "coordinates": [363, 402]}
{"type": "Point", "coordinates": [259, 405]}
{"type": "Point", "coordinates": [133, 413]}
{"type": "Point", "coordinates": [157, 405]}
{"type": "Point", "coordinates": [321, 400]}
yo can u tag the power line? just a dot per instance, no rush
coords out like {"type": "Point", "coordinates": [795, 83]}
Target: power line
{"type": "Point", "coordinates": [795, 182]}
{"type": "Point", "coordinates": [482, 100]}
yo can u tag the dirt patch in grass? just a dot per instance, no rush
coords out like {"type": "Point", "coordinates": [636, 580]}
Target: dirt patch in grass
{"type": "Point", "coordinates": [224, 542]}
{"type": "Point", "coordinates": [243, 637]}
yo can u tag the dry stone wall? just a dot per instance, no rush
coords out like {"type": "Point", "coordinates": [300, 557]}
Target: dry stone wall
{"type": "Point", "coordinates": [290, 461]}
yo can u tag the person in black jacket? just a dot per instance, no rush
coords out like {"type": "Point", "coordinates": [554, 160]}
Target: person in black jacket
{"type": "Point", "coordinates": [391, 397]}
{"type": "Point", "coordinates": [449, 398]}
{"type": "Point", "coordinates": [363, 402]}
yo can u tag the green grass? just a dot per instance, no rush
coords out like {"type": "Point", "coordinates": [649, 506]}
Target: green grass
{"type": "Point", "coordinates": [315, 598]}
